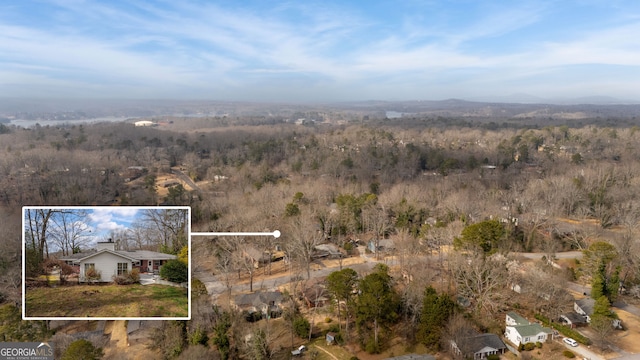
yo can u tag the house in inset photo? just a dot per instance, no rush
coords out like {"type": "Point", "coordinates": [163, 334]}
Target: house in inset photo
{"type": "Point", "coordinates": [109, 262]}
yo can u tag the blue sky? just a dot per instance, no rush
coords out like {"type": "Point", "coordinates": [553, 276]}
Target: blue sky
{"type": "Point", "coordinates": [103, 220]}
{"type": "Point", "coordinates": [306, 51]}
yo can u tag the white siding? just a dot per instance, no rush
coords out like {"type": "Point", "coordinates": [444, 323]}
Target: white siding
{"type": "Point", "coordinates": [106, 263]}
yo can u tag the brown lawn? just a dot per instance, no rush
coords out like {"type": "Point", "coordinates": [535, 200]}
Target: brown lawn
{"type": "Point", "coordinates": [107, 301]}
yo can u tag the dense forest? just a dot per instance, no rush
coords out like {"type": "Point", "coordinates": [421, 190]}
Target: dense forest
{"type": "Point", "coordinates": [458, 198]}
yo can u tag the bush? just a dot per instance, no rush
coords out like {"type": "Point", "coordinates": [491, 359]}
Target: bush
{"type": "Point", "coordinates": [568, 354]}
{"type": "Point", "coordinates": [198, 336]}
{"type": "Point", "coordinates": [92, 275]}
{"type": "Point", "coordinates": [493, 357]}
{"type": "Point", "coordinates": [197, 288]}
{"type": "Point", "coordinates": [128, 278]}
{"type": "Point", "coordinates": [301, 327]}
{"type": "Point", "coordinates": [564, 330]}
{"type": "Point", "coordinates": [175, 271]}
{"type": "Point", "coordinates": [328, 320]}
{"type": "Point", "coordinates": [538, 344]}
{"type": "Point", "coordinates": [82, 350]}
{"type": "Point", "coordinates": [529, 346]}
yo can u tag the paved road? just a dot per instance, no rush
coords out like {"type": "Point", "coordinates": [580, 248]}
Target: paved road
{"type": "Point", "coordinates": [216, 287]}
{"type": "Point", "coordinates": [558, 255]}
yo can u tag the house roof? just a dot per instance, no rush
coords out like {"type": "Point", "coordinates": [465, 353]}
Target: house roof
{"type": "Point", "coordinates": [575, 318]}
{"type": "Point", "coordinates": [517, 318]}
{"type": "Point", "coordinates": [103, 251]}
{"type": "Point", "coordinates": [132, 255]}
{"type": "Point", "coordinates": [531, 329]}
{"type": "Point", "coordinates": [586, 305]}
{"type": "Point", "coordinates": [258, 299]}
{"type": "Point", "coordinates": [474, 344]}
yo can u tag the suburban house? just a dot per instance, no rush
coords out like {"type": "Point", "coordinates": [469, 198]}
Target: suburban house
{"type": "Point", "coordinates": [478, 346]}
{"type": "Point", "coordinates": [519, 330]}
{"type": "Point", "coordinates": [110, 262]}
{"type": "Point", "coordinates": [267, 304]}
{"type": "Point", "coordinates": [384, 245]}
{"type": "Point", "coordinates": [573, 319]}
{"type": "Point", "coordinates": [584, 307]}
{"type": "Point", "coordinates": [327, 250]}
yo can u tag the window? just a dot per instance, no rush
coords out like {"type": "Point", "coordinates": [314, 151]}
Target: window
{"type": "Point", "coordinates": [88, 266]}
{"type": "Point", "coordinates": [156, 262]}
{"type": "Point", "coordinates": [540, 337]}
{"type": "Point", "coordinates": [122, 268]}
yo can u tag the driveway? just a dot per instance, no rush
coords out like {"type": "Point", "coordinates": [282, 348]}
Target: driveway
{"type": "Point", "coordinates": [146, 279]}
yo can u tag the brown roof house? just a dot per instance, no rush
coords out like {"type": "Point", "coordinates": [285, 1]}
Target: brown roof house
{"type": "Point", "coordinates": [260, 304]}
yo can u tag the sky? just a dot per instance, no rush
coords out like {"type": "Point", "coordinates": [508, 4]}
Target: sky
{"type": "Point", "coordinates": [318, 51]}
{"type": "Point", "coordinates": [99, 223]}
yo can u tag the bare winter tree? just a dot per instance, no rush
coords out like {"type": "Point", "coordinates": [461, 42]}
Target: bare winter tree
{"type": "Point", "coordinates": [304, 236]}
{"type": "Point", "coordinates": [481, 279]}
{"type": "Point", "coordinates": [68, 231]}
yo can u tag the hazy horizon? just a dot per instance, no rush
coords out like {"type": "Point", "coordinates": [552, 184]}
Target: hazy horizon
{"type": "Point", "coordinates": [283, 52]}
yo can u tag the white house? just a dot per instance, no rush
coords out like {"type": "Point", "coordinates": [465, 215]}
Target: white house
{"type": "Point", "coordinates": [520, 331]}
{"type": "Point", "coordinates": [145, 123]}
{"type": "Point", "coordinates": [110, 262]}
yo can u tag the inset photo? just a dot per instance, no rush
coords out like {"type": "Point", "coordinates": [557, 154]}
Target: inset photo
{"type": "Point", "coordinates": [104, 263]}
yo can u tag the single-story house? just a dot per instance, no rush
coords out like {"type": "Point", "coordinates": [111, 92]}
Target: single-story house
{"type": "Point", "coordinates": [327, 250]}
{"type": "Point", "coordinates": [110, 262]}
{"type": "Point", "coordinates": [519, 330]}
{"type": "Point", "coordinates": [478, 346]}
{"type": "Point", "coordinates": [584, 307]}
{"type": "Point", "coordinates": [268, 303]}
{"type": "Point", "coordinates": [256, 256]}
{"type": "Point", "coordinates": [573, 319]}
{"type": "Point", "coordinates": [384, 245]}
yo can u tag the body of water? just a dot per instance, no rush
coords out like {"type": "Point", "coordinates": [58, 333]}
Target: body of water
{"type": "Point", "coordinates": [31, 123]}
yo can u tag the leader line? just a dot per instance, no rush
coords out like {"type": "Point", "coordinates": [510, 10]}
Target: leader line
{"type": "Point", "coordinates": [275, 234]}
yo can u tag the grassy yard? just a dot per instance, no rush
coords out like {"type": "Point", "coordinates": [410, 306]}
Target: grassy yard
{"type": "Point", "coordinates": [107, 301]}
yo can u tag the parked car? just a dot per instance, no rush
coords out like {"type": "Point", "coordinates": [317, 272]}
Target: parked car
{"type": "Point", "coordinates": [570, 341]}
{"type": "Point", "coordinates": [299, 350]}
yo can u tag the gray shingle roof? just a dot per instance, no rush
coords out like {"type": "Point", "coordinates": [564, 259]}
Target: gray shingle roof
{"type": "Point", "coordinates": [473, 344]}
{"type": "Point", "coordinates": [586, 305]}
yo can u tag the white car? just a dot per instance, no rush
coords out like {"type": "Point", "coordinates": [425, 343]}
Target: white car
{"type": "Point", "coordinates": [570, 341]}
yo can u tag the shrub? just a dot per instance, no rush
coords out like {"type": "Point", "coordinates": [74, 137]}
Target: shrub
{"type": "Point", "coordinates": [529, 346]}
{"type": "Point", "coordinates": [568, 354]}
{"type": "Point", "coordinates": [128, 277]}
{"type": "Point", "coordinates": [564, 330]}
{"type": "Point", "coordinates": [493, 357]}
{"type": "Point", "coordinates": [328, 320]}
{"type": "Point", "coordinates": [198, 336]}
{"type": "Point", "coordinates": [175, 271]}
{"type": "Point", "coordinates": [197, 287]}
{"type": "Point", "coordinates": [92, 275]}
{"type": "Point", "coordinates": [82, 350]}
{"type": "Point", "coordinates": [301, 327]}
{"type": "Point", "coordinates": [538, 344]}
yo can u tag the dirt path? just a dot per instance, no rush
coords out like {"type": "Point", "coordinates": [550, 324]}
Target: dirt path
{"type": "Point", "coordinates": [326, 351]}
